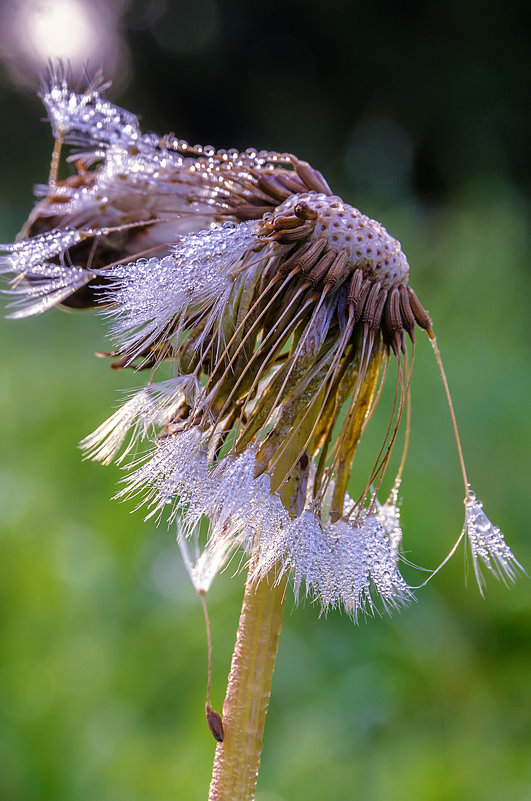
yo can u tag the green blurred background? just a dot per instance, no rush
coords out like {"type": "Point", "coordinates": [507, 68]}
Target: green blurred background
{"type": "Point", "coordinates": [419, 115]}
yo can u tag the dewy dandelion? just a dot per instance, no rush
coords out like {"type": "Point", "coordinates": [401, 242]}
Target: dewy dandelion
{"type": "Point", "coordinates": [281, 308]}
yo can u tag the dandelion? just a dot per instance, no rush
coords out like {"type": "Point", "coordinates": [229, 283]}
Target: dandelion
{"type": "Point", "coordinates": [282, 310]}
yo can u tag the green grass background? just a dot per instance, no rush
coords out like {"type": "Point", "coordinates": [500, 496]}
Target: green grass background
{"type": "Point", "coordinates": [103, 666]}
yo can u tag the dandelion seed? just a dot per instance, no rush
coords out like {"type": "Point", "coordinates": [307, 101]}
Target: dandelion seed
{"type": "Point", "coordinates": [150, 297]}
{"type": "Point", "coordinates": [38, 283]}
{"type": "Point", "coordinates": [204, 563]}
{"type": "Point", "coordinates": [487, 545]}
{"type": "Point", "coordinates": [174, 475]}
{"type": "Point", "coordinates": [86, 116]}
{"type": "Point", "coordinates": [388, 515]}
{"type": "Point", "coordinates": [152, 406]}
{"type": "Point", "coordinates": [215, 724]}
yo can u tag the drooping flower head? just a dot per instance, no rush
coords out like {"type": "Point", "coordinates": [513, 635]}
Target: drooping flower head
{"type": "Point", "coordinates": [279, 306]}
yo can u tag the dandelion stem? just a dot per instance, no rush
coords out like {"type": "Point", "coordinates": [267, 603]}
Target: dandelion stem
{"type": "Point", "coordinates": [237, 758]}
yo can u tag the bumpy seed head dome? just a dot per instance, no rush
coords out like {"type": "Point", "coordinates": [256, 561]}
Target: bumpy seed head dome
{"type": "Point", "coordinates": [366, 241]}
{"type": "Point", "coordinates": [341, 253]}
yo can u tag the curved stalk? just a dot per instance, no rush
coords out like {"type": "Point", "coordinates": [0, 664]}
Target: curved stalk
{"type": "Point", "coordinates": [237, 758]}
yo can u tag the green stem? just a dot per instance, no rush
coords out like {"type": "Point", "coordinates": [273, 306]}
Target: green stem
{"type": "Point", "coordinates": [237, 758]}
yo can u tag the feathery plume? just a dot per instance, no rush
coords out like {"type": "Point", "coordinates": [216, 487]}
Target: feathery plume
{"type": "Point", "coordinates": [488, 546]}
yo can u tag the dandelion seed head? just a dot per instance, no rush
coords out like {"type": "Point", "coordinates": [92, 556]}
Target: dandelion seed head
{"type": "Point", "coordinates": [366, 241]}
{"type": "Point", "coordinates": [280, 308]}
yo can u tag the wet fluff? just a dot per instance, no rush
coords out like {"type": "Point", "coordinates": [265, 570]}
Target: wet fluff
{"type": "Point", "coordinates": [282, 310]}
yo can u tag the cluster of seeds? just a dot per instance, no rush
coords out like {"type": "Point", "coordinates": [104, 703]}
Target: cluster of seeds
{"type": "Point", "coordinates": [279, 305]}
{"type": "Point", "coordinates": [336, 247]}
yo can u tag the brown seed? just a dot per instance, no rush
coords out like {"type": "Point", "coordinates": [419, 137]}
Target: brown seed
{"type": "Point", "coordinates": [380, 304]}
{"type": "Point", "coordinates": [338, 272]}
{"type": "Point", "coordinates": [292, 182]}
{"type": "Point", "coordinates": [298, 254]}
{"type": "Point", "coordinates": [294, 234]}
{"type": "Point", "coordinates": [312, 178]}
{"type": "Point", "coordinates": [304, 257]}
{"type": "Point", "coordinates": [321, 268]}
{"type": "Point", "coordinates": [359, 302]}
{"type": "Point", "coordinates": [372, 311]}
{"type": "Point", "coordinates": [355, 286]}
{"type": "Point", "coordinates": [393, 326]}
{"type": "Point", "coordinates": [408, 318]}
{"type": "Point", "coordinates": [215, 724]}
{"type": "Point", "coordinates": [248, 211]}
{"type": "Point", "coordinates": [421, 315]}
{"type": "Point", "coordinates": [273, 187]}
{"type": "Point", "coordinates": [392, 316]}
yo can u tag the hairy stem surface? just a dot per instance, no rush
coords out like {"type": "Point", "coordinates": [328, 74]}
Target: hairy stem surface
{"type": "Point", "coordinates": [237, 758]}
